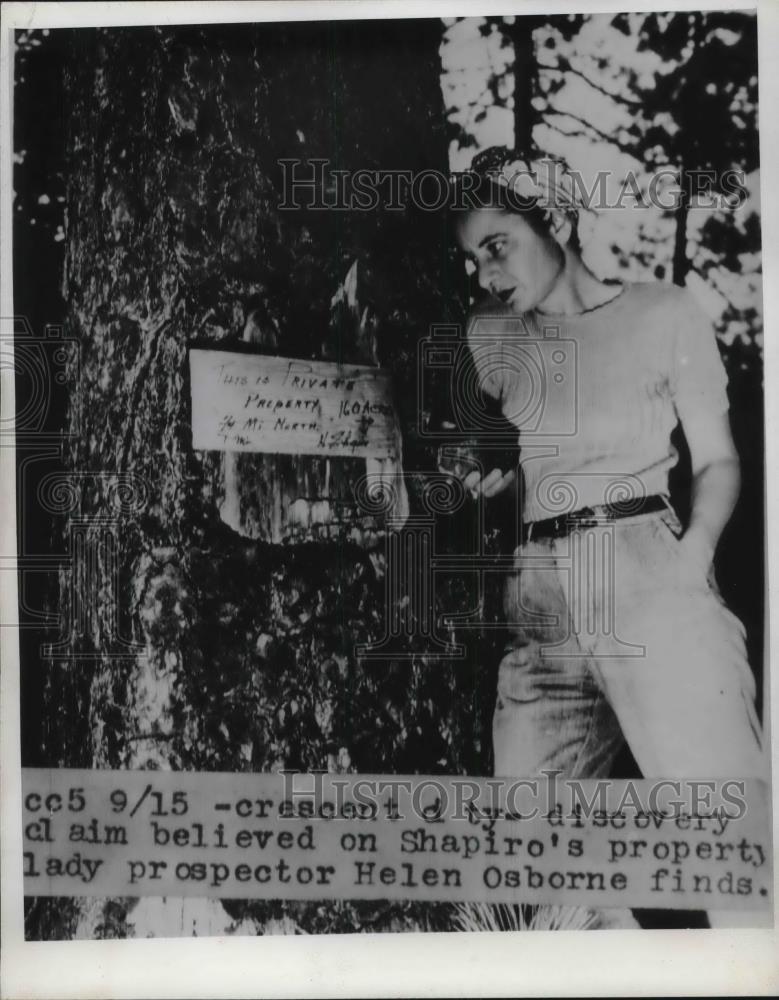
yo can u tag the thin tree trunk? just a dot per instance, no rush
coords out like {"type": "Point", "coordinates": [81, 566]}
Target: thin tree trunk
{"type": "Point", "coordinates": [681, 262]}
{"type": "Point", "coordinates": [525, 80]}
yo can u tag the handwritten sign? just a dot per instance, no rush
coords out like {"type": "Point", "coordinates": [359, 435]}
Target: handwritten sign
{"type": "Point", "coordinates": [256, 403]}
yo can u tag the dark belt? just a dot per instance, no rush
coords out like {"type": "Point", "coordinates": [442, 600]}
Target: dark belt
{"type": "Point", "coordinates": [592, 517]}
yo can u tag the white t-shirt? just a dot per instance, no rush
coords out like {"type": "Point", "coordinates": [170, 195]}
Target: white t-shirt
{"type": "Point", "coordinates": [595, 396]}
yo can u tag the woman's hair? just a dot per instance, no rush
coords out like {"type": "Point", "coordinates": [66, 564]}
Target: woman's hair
{"type": "Point", "coordinates": [530, 186]}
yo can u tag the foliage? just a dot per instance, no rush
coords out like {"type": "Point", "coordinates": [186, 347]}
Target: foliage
{"type": "Point", "coordinates": [629, 93]}
{"type": "Point", "coordinates": [505, 917]}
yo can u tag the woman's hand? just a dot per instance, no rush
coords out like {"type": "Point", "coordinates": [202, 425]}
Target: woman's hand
{"type": "Point", "coordinates": [715, 485]}
{"type": "Point", "coordinates": [489, 486]}
{"type": "Point", "coordinates": [698, 549]}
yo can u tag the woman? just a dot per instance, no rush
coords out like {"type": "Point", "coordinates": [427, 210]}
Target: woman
{"type": "Point", "coordinates": [618, 630]}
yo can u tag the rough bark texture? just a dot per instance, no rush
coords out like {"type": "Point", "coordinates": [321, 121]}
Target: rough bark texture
{"type": "Point", "coordinates": [190, 645]}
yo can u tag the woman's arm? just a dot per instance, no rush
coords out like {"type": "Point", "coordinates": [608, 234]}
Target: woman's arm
{"type": "Point", "coordinates": [715, 483]}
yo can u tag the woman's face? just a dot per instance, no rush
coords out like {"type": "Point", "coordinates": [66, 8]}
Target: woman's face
{"type": "Point", "coordinates": [514, 262]}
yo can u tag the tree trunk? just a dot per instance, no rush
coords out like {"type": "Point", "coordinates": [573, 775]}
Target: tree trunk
{"type": "Point", "coordinates": [681, 262]}
{"type": "Point", "coordinates": [525, 80]}
{"type": "Point", "coordinates": [186, 645]}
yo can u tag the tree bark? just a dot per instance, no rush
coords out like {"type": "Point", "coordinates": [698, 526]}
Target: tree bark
{"type": "Point", "coordinates": [202, 649]}
{"type": "Point", "coordinates": [185, 645]}
{"type": "Point", "coordinates": [681, 262]}
{"type": "Point", "coordinates": [525, 80]}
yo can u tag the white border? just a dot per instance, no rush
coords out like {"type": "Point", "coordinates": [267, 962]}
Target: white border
{"type": "Point", "coordinates": [620, 963]}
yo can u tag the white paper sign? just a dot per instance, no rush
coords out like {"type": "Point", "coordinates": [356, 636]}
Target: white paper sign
{"type": "Point", "coordinates": [255, 403]}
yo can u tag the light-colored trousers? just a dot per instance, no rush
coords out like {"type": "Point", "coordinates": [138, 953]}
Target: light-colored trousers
{"type": "Point", "coordinates": [617, 636]}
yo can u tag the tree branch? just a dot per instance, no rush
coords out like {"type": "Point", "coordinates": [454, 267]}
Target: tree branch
{"type": "Point", "coordinates": [564, 66]}
{"type": "Point", "coordinates": [601, 135]}
{"type": "Point", "coordinates": [575, 134]}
